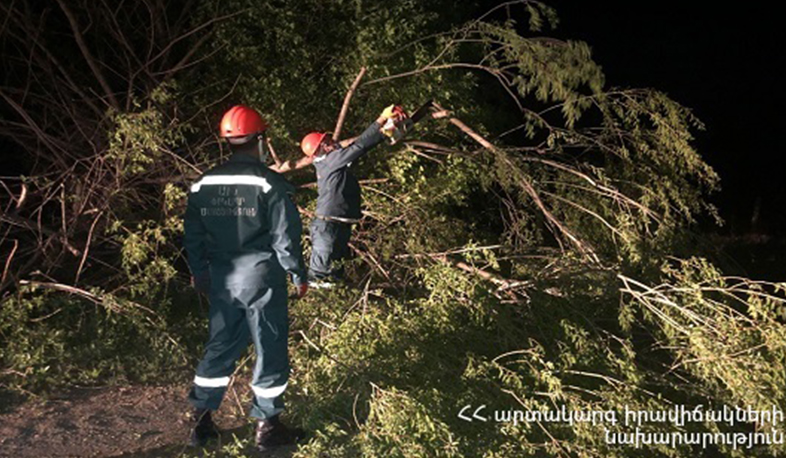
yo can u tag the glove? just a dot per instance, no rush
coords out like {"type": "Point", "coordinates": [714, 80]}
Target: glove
{"type": "Point", "coordinates": [201, 283]}
{"type": "Point", "coordinates": [393, 111]}
{"type": "Point", "coordinates": [302, 289]}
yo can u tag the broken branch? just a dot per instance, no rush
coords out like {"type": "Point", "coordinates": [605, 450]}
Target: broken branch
{"type": "Point", "coordinates": [345, 106]}
{"type": "Point", "coordinates": [553, 223]}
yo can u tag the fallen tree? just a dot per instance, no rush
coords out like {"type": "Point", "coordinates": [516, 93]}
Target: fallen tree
{"type": "Point", "coordinates": [518, 251]}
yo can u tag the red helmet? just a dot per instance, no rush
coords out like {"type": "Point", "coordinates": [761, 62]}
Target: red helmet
{"type": "Point", "coordinates": [311, 142]}
{"type": "Point", "coordinates": [240, 121]}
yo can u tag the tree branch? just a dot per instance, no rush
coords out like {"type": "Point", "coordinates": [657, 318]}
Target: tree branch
{"type": "Point", "coordinates": [27, 224]}
{"type": "Point", "coordinates": [525, 184]}
{"type": "Point", "coordinates": [8, 261]}
{"type": "Point", "coordinates": [345, 106]}
{"type": "Point", "coordinates": [88, 57]}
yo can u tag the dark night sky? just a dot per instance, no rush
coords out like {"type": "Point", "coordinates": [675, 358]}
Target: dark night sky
{"type": "Point", "coordinates": [721, 62]}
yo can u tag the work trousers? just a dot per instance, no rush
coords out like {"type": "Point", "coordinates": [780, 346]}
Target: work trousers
{"type": "Point", "coordinates": [329, 246]}
{"type": "Point", "coordinates": [239, 315]}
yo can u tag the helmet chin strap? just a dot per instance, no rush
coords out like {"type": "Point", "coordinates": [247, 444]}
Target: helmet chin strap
{"type": "Point", "coordinates": [263, 153]}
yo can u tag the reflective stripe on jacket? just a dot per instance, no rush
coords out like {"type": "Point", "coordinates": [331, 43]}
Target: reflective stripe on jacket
{"type": "Point", "coordinates": [242, 226]}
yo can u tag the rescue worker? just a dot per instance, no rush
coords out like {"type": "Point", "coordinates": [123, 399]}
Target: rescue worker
{"type": "Point", "coordinates": [242, 237]}
{"type": "Point", "coordinates": [338, 201]}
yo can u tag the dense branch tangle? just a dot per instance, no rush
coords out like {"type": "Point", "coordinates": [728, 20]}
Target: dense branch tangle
{"type": "Point", "coordinates": [59, 98]}
{"type": "Point", "coordinates": [583, 163]}
{"type": "Point", "coordinates": [605, 170]}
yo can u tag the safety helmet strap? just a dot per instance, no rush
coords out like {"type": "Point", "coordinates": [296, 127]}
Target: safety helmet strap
{"type": "Point", "coordinates": [262, 148]}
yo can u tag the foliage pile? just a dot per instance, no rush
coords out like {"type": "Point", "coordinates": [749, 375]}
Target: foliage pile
{"type": "Point", "coordinates": [515, 253]}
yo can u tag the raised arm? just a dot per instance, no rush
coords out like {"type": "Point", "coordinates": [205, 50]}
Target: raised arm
{"type": "Point", "coordinates": [370, 138]}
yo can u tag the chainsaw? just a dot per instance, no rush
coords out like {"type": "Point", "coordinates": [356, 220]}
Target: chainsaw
{"type": "Point", "coordinates": [395, 130]}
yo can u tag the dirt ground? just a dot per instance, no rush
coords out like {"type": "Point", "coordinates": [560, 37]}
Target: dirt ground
{"type": "Point", "coordinates": [133, 421]}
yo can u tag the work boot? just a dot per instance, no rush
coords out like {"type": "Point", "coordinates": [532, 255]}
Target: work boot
{"type": "Point", "coordinates": [271, 433]}
{"type": "Point", "coordinates": [204, 429]}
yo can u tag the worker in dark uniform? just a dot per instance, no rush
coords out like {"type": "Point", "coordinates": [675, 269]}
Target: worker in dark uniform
{"type": "Point", "coordinates": [338, 202]}
{"type": "Point", "coordinates": [242, 237]}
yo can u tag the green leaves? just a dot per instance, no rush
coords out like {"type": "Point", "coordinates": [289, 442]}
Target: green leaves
{"type": "Point", "coordinates": [138, 138]}
{"type": "Point", "coordinates": [723, 331]}
{"type": "Point", "coordinates": [540, 13]}
{"type": "Point", "coordinates": [484, 268]}
{"type": "Point", "coordinates": [549, 69]}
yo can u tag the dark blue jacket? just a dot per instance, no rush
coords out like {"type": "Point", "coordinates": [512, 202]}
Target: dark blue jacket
{"type": "Point", "coordinates": [242, 227]}
{"type": "Point", "coordinates": [339, 190]}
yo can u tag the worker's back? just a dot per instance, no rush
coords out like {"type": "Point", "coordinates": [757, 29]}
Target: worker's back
{"type": "Point", "coordinates": [234, 223]}
{"type": "Point", "coordinates": [339, 190]}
